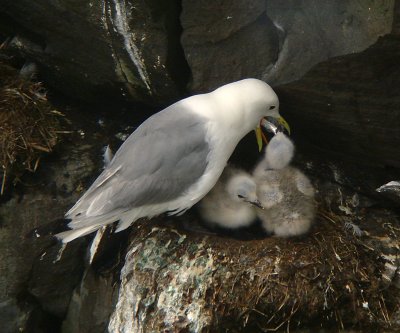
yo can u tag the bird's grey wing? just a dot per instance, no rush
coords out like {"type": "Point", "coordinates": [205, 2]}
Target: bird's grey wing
{"type": "Point", "coordinates": [157, 163]}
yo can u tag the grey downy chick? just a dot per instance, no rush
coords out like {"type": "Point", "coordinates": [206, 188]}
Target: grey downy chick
{"type": "Point", "coordinates": [286, 194]}
{"type": "Point", "coordinates": [230, 204]}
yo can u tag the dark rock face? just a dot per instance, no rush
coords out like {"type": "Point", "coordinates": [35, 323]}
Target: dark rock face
{"type": "Point", "coordinates": [93, 301]}
{"type": "Point", "coordinates": [274, 40]}
{"type": "Point", "coordinates": [229, 42]}
{"type": "Point", "coordinates": [312, 31]}
{"type": "Point", "coordinates": [396, 18]}
{"type": "Point", "coordinates": [38, 275]}
{"type": "Point", "coordinates": [146, 50]}
{"type": "Point", "coordinates": [98, 49]}
{"type": "Point", "coordinates": [349, 106]}
{"type": "Point", "coordinates": [91, 304]}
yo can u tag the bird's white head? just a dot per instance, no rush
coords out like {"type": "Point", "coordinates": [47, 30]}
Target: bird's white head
{"type": "Point", "coordinates": [242, 188]}
{"type": "Point", "coordinates": [247, 102]}
{"type": "Point", "coordinates": [259, 99]}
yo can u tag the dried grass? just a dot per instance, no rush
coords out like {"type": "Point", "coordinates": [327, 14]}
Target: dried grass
{"type": "Point", "coordinates": [28, 125]}
{"type": "Point", "coordinates": [331, 278]}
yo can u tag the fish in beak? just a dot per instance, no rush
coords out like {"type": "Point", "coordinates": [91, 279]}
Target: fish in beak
{"type": "Point", "coordinates": [270, 124]}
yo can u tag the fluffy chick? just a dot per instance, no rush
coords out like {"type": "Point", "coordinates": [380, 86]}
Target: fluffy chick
{"type": "Point", "coordinates": [286, 194]}
{"type": "Point", "coordinates": [230, 204]}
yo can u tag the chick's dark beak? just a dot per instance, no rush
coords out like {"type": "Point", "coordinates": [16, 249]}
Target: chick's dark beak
{"type": "Point", "coordinates": [256, 203]}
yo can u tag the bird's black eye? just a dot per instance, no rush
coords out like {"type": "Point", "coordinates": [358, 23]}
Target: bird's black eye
{"type": "Point", "coordinates": [240, 196]}
{"type": "Point", "coordinates": [272, 107]}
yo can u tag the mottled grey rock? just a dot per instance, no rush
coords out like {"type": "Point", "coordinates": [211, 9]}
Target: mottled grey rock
{"type": "Point", "coordinates": [98, 49]}
{"type": "Point", "coordinates": [312, 31]}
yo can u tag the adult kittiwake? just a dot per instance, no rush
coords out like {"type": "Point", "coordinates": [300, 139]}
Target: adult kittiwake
{"type": "Point", "coordinates": [174, 158]}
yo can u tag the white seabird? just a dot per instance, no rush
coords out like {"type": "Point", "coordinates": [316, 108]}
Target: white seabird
{"type": "Point", "coordinates": [230, 203]}
{"type": "Point", "coordinates": [286, 194]}
{"type": "Point", "coordinates": [174, 158]}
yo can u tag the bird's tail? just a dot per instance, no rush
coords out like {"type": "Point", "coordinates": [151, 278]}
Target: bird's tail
{"type": "Point", "coordinates": [70, 235]}
{"type": "Point", "coordinates": [83, 226]}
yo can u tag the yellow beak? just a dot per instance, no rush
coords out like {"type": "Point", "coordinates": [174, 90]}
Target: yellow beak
{"type": "Point", "coordinates": [284, 123]}
{"type": "Point", "coordinates": [260, 136]}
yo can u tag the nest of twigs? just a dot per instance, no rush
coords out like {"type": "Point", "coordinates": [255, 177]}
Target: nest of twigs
{"type": "Point", "coordinates": [333, 277]}
{"type": "Point", "coordinates": [29, 125]}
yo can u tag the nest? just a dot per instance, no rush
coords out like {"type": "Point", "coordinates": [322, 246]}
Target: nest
{"type": "Point", "coordinates": [333, 277]}
{"type": "Point", "coordinates": [329, 279]}
{"type": "Point", "coordinates": [29, 125]}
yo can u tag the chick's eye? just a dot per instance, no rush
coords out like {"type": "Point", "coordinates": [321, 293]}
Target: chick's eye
{"type": "Point", "coordinates": [272, 107]}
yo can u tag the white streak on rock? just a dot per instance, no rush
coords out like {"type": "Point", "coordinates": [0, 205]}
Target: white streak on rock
{"type": "Point", "coordinates": [120, 22]}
